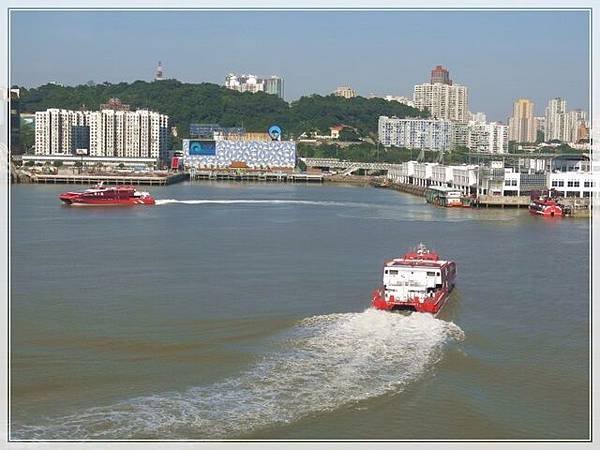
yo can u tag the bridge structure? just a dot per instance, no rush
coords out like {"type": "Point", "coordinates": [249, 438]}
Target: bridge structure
{"type": "Point", "coordinates": [347, 167]}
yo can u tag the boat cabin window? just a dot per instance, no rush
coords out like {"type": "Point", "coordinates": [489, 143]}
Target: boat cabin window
{"type": "Point", "coordinates": [431, 274]}
{"type": "Point", "coordinates": [393, 272]}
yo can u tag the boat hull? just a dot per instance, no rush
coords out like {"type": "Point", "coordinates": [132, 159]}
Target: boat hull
{"type": "Point", "coordinates": [76, 200]}
{"type": "Point", "coordinates": [431, 304]}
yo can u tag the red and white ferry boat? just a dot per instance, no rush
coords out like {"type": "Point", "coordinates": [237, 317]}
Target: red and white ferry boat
{"type": "Point", "coordinates": [418, 281]}
{"type": "Point", "coordinates": [543, 204]}
{"type": "Point", "coordinates": [101, 195]}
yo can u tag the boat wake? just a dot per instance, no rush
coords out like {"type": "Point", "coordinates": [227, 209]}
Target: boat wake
{"type": "Point", "coordinates": [323, 363]}
{"type": "Point", "coordinates": [171, 201]}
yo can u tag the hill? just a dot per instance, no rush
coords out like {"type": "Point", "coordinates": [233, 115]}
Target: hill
{"type": "Point", "coordinates": [187, 103]}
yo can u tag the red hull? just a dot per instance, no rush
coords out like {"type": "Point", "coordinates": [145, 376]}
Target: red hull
{"type": "Point", "coordinates": [429, 304]}
{"type": "Point", "coordinates": [74, 201]}
{"type": "Point", "coordinates": [107, 196]}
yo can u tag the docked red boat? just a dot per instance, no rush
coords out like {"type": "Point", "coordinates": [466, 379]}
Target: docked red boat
{"type": "Point", "coordinates": [418, 281]}
{"type": "Point", "coordinates": [101, 195]}
{"type": "Point", "coordinates": [544, 204]}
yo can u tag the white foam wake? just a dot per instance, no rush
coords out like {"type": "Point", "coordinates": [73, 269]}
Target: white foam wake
{"type": "Point", "coordinates": [325, 362]}
{"type": "Point", "coordinates": [170, 201]}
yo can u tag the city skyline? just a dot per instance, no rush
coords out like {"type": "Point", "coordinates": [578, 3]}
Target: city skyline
{"type": "Point", "coordinates": [302, 48]}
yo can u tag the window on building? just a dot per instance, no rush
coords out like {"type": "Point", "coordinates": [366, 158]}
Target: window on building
{"type": "Point", "coordinates": [561, 183]}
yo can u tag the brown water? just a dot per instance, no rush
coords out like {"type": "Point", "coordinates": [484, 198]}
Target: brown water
{"type": "Point", "coordinates": [242, 319]}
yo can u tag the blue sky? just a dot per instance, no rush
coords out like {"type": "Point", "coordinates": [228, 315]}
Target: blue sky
{"type": "Point", "coordinates": [498, 55]}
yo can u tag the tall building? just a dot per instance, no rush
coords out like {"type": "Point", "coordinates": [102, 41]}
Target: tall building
{"type": "Point", "coordinates": [487, 137]}
{"type": "Point", "coordinates": [274, 86]}
{"type": "Point", "coordinates": [522, 125]}
{"type": "Point", "coordinates": [574, 120]}
{"type": "Point", "coordinates": [440, 75]}
{"type": "Point", "coordinates": [477, 117]}
{"type": "Point", "coordinates": [253, 84]}
{"type": "Point", "coordinates": [429, 134]}
{"type": "Point", "coordinates": [109, 132]}
{"type": "Point", "coordinates": [444, 101]}
{"type": "Point", "coordinates": [158, 75]}
{"type": "Point", "coordinates": [345, 91]}
{"type": "Point", "coordinates": [15, 122]}
{"type": "Point", "coordinates": [556, 119]}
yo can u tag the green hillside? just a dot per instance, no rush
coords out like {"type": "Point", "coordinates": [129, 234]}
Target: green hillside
{"type": "Point", "coordinates": [187, 103]}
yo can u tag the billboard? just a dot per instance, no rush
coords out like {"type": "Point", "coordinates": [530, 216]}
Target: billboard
{"type": "Point", "coordinates": [202, 148]}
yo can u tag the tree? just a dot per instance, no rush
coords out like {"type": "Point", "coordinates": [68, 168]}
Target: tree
{"type": "Point", "coordinates": [57, 163]}
{"type": "Point", "coordinates": [348, 134]}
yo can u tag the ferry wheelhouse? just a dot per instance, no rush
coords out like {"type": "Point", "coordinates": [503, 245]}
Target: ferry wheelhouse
{"type": "Point", "coordinates": [101, 195]}
{"type": "Point", "coordinates": [445, 196]}
{"type": "Point", "coordinates": [418, 281]}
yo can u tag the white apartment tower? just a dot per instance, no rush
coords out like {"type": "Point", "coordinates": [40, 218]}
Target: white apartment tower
{"type": "Point", "coordinates": [429, 134]}
{"type": "Point", "coordinates": [112, 133]}
{"type": "Point", "coordinates": [556, 123]}
{"type": "Point", "coordinates": [444, 101]}
{"type": "Point", "coordinates": [489, 137]}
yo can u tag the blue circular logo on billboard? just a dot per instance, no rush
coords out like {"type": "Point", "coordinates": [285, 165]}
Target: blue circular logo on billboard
{"type": "Point", "coordinates": [275, 132]}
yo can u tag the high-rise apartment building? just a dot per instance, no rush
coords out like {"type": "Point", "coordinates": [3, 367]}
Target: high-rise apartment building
{"type": "Point", "coordinates": [440, 75]}
{"type": "Point", "coordinates": [429, 134]}
{"type": "Point", "coordinates": [444, 101]}
{"type": "Point", "coordinates": [489, 137]}
{"type": "Point", "coordinates": [522, 125]}
{"type": "Point", "coordinates": [253, 84]}
{"type": "Point", "coordinates": [109, 132]}
{"type": "Point", "coordinates": [574, 120]}
{"type": "Point", "coordinates": [556, 124]}
{"type": "Point", "coordinates": [345, 91]}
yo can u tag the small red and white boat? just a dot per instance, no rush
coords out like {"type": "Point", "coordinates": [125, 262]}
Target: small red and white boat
{"type": "Point", "coordinates": [418, 281]}
{"type": "Point", "coordinates": [543, 204]}
{"type": "Point", "coordinates": [101, 195]}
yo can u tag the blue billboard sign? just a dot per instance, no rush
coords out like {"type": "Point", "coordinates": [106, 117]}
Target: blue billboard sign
{"type": "Point", "coordinates": [202, 148]}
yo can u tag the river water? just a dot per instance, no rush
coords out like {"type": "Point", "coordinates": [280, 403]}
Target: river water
{"type": "Point", "coordinates": [240, 311]}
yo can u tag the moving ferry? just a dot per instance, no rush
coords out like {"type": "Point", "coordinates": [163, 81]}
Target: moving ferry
{"type": "Point", "coordinates": [418, 281]}
{"type": "Point", "coordinates": [101, 195]}
{"type": "Point", "coordinates": [444, 196]}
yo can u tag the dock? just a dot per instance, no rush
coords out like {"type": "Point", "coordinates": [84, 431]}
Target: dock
{"type": "Point", "coordinates": [148, 180]}
{"type": "Point", "coordinates": [277, 177]}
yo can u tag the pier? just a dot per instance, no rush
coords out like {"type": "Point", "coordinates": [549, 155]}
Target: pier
{"type": "Point", "coordinates": [109, 179]}
{"type": "Point", "coordinates": [280, 177]}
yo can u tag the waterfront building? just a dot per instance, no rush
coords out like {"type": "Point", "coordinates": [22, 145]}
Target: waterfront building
{"type": "Point", "coordinates": [345, 91]}
{"type": "Point", "coordinates": [444, 101]}
{"type": "Point", "coordinates": [415, 133]}
{"type": "Point", "coordinates": [109, 132]}
{"type": "Point", "coordinates": [440, 75]}
{"type": "Point", "coordinates": [224, 154]}
{"type": "Point", "coordinates": [252, 83]}
{"type": "Point", "coordinates": [522, 125]}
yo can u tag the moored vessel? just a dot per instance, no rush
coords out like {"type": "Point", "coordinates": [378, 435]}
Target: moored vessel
{"type": "Point", "coordinates": [101, 195]}
{"type": "Point", "coordinates": [446, 196]}
{"type": "Point", "coordinates": [418, 281]}
{"type": "Point", "coordinates": [544, 204]}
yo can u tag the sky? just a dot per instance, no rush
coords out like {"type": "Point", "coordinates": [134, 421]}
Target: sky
{"type": "Point", "coordinates": [499, 55]}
